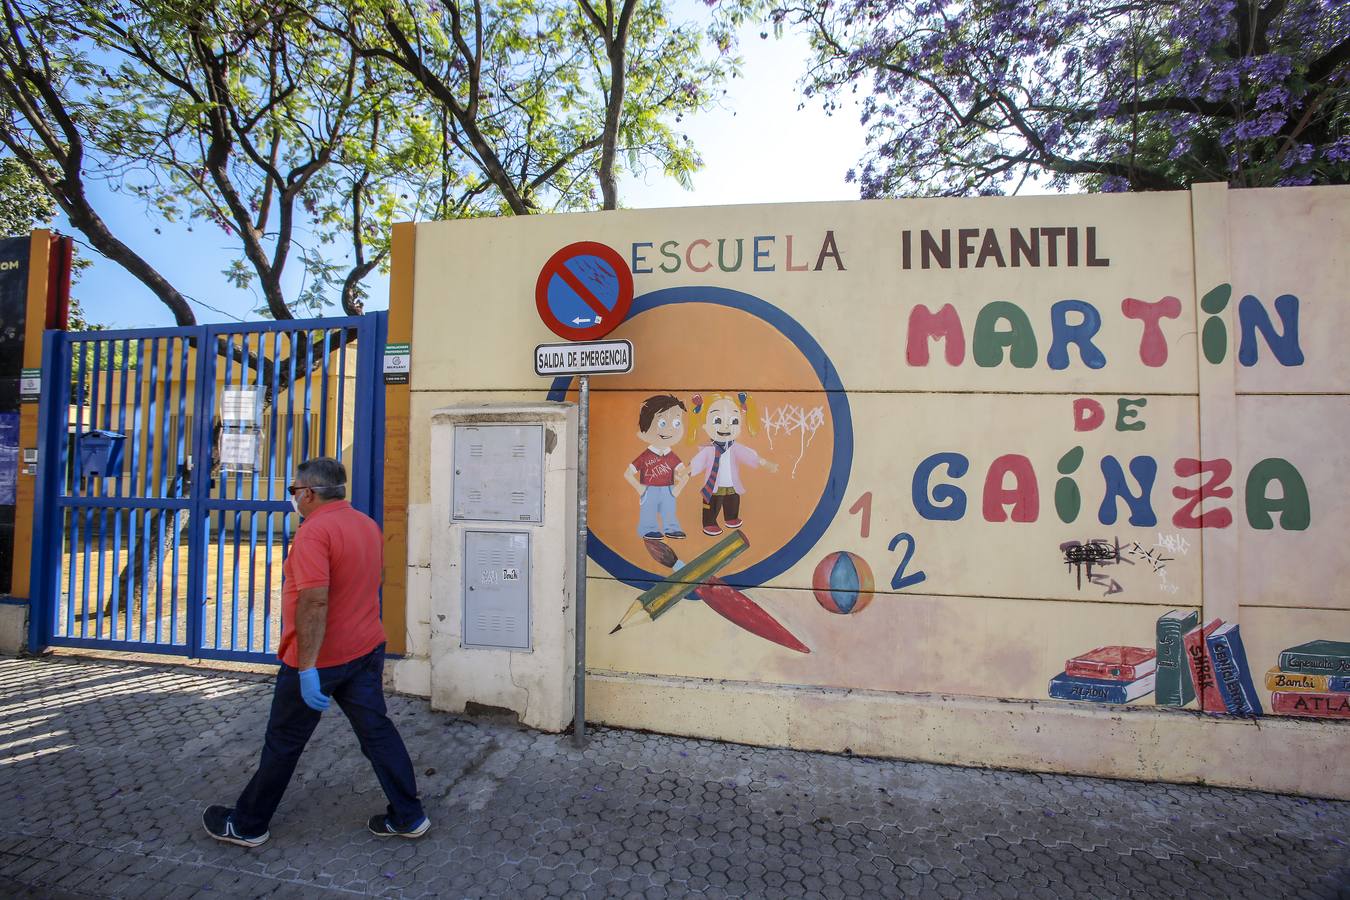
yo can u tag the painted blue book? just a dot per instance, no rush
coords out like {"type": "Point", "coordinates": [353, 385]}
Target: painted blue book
{"type": "Point", "coordinates": [1100, 690]}
{"type": "Point", "coordinates": [1174, 687]}
{"type": "Point", "coordinates": [1231, 673]}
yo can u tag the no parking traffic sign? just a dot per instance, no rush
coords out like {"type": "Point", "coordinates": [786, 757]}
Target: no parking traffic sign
{"type": "Point", "coordinates": [584, 291]}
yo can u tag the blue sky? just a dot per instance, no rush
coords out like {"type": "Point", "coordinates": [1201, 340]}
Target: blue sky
{"type": "Point", "coordinates": [757, 148]}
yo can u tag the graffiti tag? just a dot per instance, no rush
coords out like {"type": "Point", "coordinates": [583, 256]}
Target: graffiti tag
{"type": "Point", "coordinates": [798, 420]}
{"type": "Point", "coordinates": [1174, 543]}
{"type": "Point", "coordinates": [1156, 561]}
{"type": "Point", "coordinates": [1153, 557]}
{"type": "Point", "coordinates": [1085, 559]}
{"type": "Point", "coordinates": [1083, 556]}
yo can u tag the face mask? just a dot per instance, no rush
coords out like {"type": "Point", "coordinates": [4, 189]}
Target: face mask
{"type": "Point", "coordinates": [295, 506]}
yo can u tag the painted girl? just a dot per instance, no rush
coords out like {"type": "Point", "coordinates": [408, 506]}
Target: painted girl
{"type": "Point", "coordinates": [722, 418]}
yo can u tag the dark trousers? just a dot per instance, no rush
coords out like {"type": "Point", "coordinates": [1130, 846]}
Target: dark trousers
{"type": "Point", "coordinates": [729, 504]}
{"type": "Point", "coordinates": [358, 688]}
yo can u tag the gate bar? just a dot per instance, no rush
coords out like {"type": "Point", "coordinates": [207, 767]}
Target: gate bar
{"type": "Point", "coordinates": [46, 548]}
{"type": "Point", "coordinates": [117, 598]}
{"type": "Point", "coordinates": [200, 473]}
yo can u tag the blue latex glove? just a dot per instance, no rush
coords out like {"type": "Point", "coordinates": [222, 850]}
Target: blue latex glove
{"type": "Point", "coordinates": [309, 690]}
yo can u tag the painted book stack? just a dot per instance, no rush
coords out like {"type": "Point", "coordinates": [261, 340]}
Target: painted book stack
{"type": "Point", "coordinates": [1174, 684]}
{"type": "Point", "coordinates": [1232, 675]}
{"type": "Point", "coordinates": [1312, 679]}
{"type": "Point", "coordinates": [1220, 675]}
{"type": "Point", "coordinates": [1107, 675]}
{"type": "Point", "coordinates": [1202, 668]}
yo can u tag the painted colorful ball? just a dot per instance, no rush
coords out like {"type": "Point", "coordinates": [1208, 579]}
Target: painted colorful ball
{"type": "Point", "coordinates": [843, 583]}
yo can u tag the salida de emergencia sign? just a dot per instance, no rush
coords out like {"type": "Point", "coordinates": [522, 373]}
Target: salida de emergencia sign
{"type": "Point", "coordinates": [584, 358]}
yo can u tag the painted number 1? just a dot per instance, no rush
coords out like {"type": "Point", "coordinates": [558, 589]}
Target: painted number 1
{"type": "Point", "coordinates": [900, 581]}
{"type": "Point", "coordinates": [864, 506]}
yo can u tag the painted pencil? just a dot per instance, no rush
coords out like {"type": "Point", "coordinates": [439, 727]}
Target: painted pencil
{"type": "Point", "coordinates": [720, 597]}
{"type": "Point", "coordinates": [628, 617]}
{"type": "Point", "coordinates": [662, 596]}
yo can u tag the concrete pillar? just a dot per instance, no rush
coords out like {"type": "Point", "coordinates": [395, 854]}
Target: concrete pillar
{"type": "Point", "coordinates": [1217, 395]}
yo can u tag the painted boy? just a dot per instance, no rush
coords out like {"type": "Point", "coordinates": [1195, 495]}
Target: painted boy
{"type": "Point", "coordinates": [722, 419]}
{"type": "Point", "coordinates": [657, 474]}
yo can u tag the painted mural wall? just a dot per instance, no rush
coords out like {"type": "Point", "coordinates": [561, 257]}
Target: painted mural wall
{"type": "Point", "coordinates": [1086, 448]}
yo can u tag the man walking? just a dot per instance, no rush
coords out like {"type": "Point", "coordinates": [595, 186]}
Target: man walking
{"type": "Point", "coordinates": [332, 648]}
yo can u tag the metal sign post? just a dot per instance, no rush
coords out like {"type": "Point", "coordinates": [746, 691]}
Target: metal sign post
{"type": "Point", "coordinates": [583, 293]}
{"type": "Point", "coordinates": [583, 532]}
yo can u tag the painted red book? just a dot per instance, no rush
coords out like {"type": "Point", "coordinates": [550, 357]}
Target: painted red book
{"type": "Point", "coordinates": [1202, 668]}
{"type": "Point", "coordinates": [1317, 704]}
{"type": "Point", "coordinates": [1113, 663]}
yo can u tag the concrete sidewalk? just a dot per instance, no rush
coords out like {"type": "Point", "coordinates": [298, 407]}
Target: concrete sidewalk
{"type": "Point", "coordinates": [106, 766]}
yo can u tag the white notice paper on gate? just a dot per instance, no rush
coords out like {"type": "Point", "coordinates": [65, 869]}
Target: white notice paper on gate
{"type": "Point", "coordinates": [240, 406]}
{"type": "Point", "coordinates": [239, 451]}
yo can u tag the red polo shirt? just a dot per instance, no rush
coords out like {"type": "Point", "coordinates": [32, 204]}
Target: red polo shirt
{"type": "Point", "coordinates": [341, 549]}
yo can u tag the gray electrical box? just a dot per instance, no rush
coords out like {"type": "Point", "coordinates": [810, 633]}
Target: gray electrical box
{"type": "Point", "coordinates": [499, 474]}
{"type": "Point", "coordinates": [497, 589]}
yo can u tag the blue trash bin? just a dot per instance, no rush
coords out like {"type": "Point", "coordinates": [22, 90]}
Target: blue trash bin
{"type": "Point", "coordinates": [101, 453]}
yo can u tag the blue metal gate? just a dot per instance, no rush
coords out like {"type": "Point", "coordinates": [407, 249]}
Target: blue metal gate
{"type": "Point", "coordinates": [162, 513]}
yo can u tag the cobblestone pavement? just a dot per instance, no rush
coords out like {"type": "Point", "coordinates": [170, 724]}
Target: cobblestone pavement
{"type": "Point", "coordinates": [106, 766]}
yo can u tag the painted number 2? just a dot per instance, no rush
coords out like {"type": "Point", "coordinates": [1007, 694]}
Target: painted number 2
{"type": "Point", "coordinates": [900, 581]}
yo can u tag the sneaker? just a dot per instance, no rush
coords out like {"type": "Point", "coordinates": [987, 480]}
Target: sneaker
{"type": "Point", "coordinates": [219, 823]}
{"type": "Point", "coordinates": [712, 530]}
{"type": "Point", "coordinates": [675, 535]}
{"type": "Point", "coordinates": [381, 827]}
{"type": "Point", "coordinates": [653, 535]}
{"type": "Point", "coordinates": [733, 523]}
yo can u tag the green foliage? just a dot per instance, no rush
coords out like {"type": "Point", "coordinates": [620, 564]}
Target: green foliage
{"type": "Point", "coordinates": [303, 131]}
{"type": "Point", "coordinates": [24, 204]}
{"type": "Point", "coordinates": [250, 120]}
{"type": "Point", "coordinates": [512, 101]}
{"type": "Point", "coordinates": [78, 321]}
